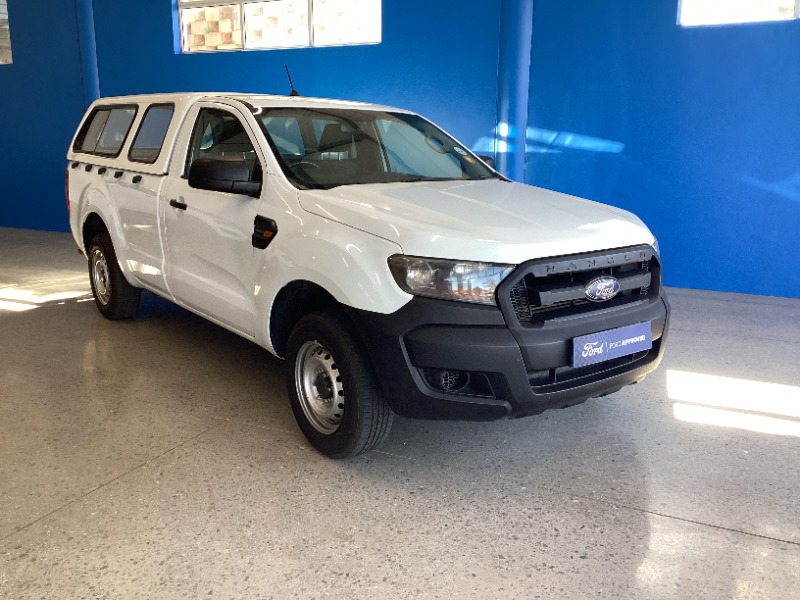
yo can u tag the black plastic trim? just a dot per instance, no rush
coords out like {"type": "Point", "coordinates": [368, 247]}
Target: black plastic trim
{"type": "Point", "coordinates": [435, 334]}
{"type": "Point", "coordinates": [264, 231]}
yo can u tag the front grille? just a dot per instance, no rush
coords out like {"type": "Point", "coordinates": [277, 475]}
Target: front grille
{"type": "Point", "coordinates": [545, 290]}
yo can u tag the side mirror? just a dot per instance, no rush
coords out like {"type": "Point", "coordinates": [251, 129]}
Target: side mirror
{"type": "Point", "coordinates": [488, 160]}
{"type": "Point", "coordinates": [223, 174]}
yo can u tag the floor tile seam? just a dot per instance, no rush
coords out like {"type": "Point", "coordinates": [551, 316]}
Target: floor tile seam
{"type": "Point", "coordinates": [780, 303]}
{"type": "Point", "coordinates": [105, 484]}
{"type": "Point", "coordinates": [678, 518]}
{"type": "Point", "coordinates": [792, 342]}
{"type": "Point", "coordinates": [727, 297]}
{"type": "Point", "coordinates": [250, 424]}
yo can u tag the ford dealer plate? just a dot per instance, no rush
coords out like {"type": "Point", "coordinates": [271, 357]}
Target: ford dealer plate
{"type": "Point", "coordinates": [610, 344]}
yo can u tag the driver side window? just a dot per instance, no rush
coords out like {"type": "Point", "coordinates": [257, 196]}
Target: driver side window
{"type": "Point", "coordinates": [218, 133]}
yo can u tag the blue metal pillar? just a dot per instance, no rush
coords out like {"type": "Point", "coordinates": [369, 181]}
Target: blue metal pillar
{"type": "Point", "coordinates": [513, 86]}
{"type": "Point", "coordinates": [88, 49]}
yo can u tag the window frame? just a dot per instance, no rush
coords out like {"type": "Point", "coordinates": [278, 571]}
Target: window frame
{"type": "Point", "coordinates": [190, 156]}
{"type": "Point", "coordinates": [139, 130]}
{"type": "Point", "coordinates": [7, 27]}
{"type": "Point", "coordinates": [182, 46]}
{"type": "Point", "coordinates": [81, 138]}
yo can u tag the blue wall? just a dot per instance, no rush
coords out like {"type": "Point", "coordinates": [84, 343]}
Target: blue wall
{"type": "Point", "coordinates": [437, 58]}
{"type": "Point", "coordinates": [696, 130]}
{"type": "Point", "coordinates": [710, 124]}
{"type": "Point", "coordinates": [41, 101]}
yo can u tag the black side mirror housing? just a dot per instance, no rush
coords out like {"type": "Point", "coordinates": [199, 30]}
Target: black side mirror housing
{"type": "Point", "coordinates": [224, 174]}
{"type": "Point", "coordinates": [488, 160]}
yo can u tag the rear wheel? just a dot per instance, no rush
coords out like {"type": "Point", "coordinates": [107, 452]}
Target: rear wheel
{"type": "Point", "coordinates": [114, 296]}
{"type": "Point", "coordinates": [332, 389]}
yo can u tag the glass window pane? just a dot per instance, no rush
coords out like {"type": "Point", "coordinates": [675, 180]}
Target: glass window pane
{"type": "Point", "coordinates": [714, 12]}
{"type": "Point", "coordinates": [150, 138]}
{"type": "Point", "coordinates": [343, 147]}
{"type": "Point", "coordinates": [105, 131]}
{"type": "Point", "coordinates": [212, 28]}
{"type": "Point", "coordinates": [5, 34]}
{"type": "Point", "coordinates": [407, 153]}
{"type": "Point", "coordinates": [341, 22]}
{"type": "Point", "coordinates": [285, 134]}
{"type": "Point", "coordinates": [116, 130]}
{"type": "Point", "coordinates": [218, 133]}
{"type": "Point", "coordinates": [277, 24]}
{"type": "Point", "coordinates": [92, 130]}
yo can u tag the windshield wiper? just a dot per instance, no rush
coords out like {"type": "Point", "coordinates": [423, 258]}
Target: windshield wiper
{"type": "Point", "coordinates": [415, 178]}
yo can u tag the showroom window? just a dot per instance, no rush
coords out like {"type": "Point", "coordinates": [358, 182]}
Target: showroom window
{"type": "Point", "coordinates": [5, 35]}
{"type": "Point", "coordinates": [713, 12]}
{"type": "Point", "coordinates": [208, 26]}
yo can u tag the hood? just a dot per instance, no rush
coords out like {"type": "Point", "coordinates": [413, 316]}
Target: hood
{"type": "Point", "coordinates": [487, 220]}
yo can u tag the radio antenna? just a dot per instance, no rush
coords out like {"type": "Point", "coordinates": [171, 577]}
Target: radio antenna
{"type": "Point", "coordinates": [294, 92]}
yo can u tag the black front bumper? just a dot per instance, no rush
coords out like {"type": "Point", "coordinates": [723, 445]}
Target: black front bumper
{"type": "Point", "coordinates": [510, 373]}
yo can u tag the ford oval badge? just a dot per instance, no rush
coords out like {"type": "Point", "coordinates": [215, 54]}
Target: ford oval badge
{"type": "Point", "coordinates": [601, 289]}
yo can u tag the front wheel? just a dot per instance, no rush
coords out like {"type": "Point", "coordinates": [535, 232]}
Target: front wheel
{"type": "Point", "coordinates": [114, 296]}
{"type": "Point", "coordinates": [332, 389]}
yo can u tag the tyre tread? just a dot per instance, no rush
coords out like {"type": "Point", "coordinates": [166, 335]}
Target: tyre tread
{"type": "Point", "coordinates": [125, 298]}
{"type": "Point", "coordinates": [373, 411]}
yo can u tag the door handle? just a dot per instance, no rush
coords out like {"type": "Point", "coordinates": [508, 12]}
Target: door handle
{"type": "Point", "coordinates": [101, 170]}
{"type": "Point", "coordinates": [136, 178]}
{"type": "Point", "coordinates": [118, 174]}
{"type": "Point", "coordinates": [177, 204]}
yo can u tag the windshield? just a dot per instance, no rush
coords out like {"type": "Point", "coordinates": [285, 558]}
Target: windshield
{"type": "Point", "coordinates": [325, 148]}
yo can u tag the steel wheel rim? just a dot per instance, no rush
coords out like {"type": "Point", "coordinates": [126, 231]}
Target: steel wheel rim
{"type": "Point", "coordinates": [319, 387]}
{"type": "Point", "coordinates": [101, 278]}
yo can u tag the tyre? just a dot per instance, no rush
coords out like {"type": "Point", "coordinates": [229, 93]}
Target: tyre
{"type": "Point", "coordinates": [332, 388]}
{"type": "Point", "coordinates": [113, 295]}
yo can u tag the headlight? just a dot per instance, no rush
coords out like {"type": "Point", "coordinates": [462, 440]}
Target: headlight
{"type": "Point", "coordinates": [448, 279]}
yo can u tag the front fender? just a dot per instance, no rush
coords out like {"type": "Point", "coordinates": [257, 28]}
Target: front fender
{"type": "Point", "coordinates": [349, 264]}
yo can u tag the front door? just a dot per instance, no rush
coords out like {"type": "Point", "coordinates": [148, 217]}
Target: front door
{"type": "Point", "coordinates": [210, 254]}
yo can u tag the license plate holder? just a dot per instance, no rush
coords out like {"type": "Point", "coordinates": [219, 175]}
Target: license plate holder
{"type": "Point", "coordinates": [607, 345]}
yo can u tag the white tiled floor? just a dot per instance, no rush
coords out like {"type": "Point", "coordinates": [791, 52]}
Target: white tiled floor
{"type": "Point", "coordinates": [158, 458]}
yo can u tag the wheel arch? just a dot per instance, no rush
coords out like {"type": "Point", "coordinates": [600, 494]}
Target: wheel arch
{"type": "Point", "coordinates": [93, 224]}
{"type": "Point", "coordinates": [294, 301]}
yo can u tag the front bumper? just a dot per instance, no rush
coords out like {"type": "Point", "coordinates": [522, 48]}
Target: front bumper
{"type": "Point", "coordinates": [508, 374]}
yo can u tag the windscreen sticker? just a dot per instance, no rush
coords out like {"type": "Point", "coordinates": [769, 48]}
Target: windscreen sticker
{"type": "Point", "coordinates": [461, 151]}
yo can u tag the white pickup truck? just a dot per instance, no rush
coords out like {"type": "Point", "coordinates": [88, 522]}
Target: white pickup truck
{"type": "Point", "coordinates": [393, 269]}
